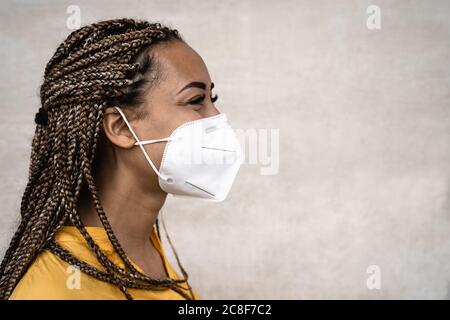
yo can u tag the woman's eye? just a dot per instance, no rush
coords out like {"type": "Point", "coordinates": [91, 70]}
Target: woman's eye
{"type": "Point", "coordinates": [197, 100]}
{"type": "Point", "coordinates": [200, 99]}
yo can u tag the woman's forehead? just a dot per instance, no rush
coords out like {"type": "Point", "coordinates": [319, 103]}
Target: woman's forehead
{"type": "Point", "coordinates": [180, 63]}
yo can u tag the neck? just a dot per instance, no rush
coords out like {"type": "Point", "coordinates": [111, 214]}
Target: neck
{"type": "Point", "coordinates": [131, 211]}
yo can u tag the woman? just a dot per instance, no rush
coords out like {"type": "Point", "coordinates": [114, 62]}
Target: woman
{"type": "Point", "coordinates": [127, 117]}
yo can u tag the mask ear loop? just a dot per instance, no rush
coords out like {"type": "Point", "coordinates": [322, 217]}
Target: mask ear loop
{"type": "Point", "coordinates": [141, 143]}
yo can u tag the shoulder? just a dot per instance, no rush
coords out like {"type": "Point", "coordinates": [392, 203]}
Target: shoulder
{"type": "Point", "coordinates": [50, 278]}
{"type": "Point", "coordinates": [46, 278]}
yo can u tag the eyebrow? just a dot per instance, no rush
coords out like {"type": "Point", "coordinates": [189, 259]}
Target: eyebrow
{"type": "Point", "coordinates": [196, 84]}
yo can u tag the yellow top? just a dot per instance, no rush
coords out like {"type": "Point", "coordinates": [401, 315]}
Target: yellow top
{"type": "Point", "coordinates": [49, 277]}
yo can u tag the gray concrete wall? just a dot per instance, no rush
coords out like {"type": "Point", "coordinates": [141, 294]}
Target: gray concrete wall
{"type": "Point", "coordinates": [364, 130]}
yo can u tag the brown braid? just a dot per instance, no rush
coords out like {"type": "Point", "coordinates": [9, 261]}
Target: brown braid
{"type": "Point", "coordinates": [99, 65]}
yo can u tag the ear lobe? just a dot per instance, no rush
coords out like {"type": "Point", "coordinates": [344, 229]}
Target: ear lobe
{"type": "Point", "coordinates": [116, 130]}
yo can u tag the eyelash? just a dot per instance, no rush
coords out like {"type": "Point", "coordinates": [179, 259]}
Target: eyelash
{"type": "Point", "coordinates": [201, 98]}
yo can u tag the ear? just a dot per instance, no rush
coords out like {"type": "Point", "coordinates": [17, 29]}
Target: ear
{"type": "Point", "coordinates": [116, 130]}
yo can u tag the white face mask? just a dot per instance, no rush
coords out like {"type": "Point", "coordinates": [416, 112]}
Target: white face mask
{"type": "Point", "coordinates": [201, 158]}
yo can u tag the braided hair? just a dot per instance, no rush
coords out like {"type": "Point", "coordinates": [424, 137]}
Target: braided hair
{"type": "Point", "coordinates": [96, 66]}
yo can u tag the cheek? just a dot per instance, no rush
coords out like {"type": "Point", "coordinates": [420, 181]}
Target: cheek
{"type": "Point", "coordinates": [160, 125]}
{"type": "Point", "coordinates": [143, 171]}
{"type": "Point", "coordinates": [155, 152]}
{"type": "Point", "coordinates": [170, 118]}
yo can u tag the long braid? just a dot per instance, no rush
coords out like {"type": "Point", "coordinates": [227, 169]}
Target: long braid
{"type": "Point", "coordinates": [96, 66]}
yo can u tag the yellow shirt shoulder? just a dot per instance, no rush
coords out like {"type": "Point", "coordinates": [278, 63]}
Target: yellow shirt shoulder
{"type": "Point", "coordinates": [50, 278]}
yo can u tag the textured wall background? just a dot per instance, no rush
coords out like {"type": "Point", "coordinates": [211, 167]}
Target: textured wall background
{"type": "Point", "coordinates": [364, 120]}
